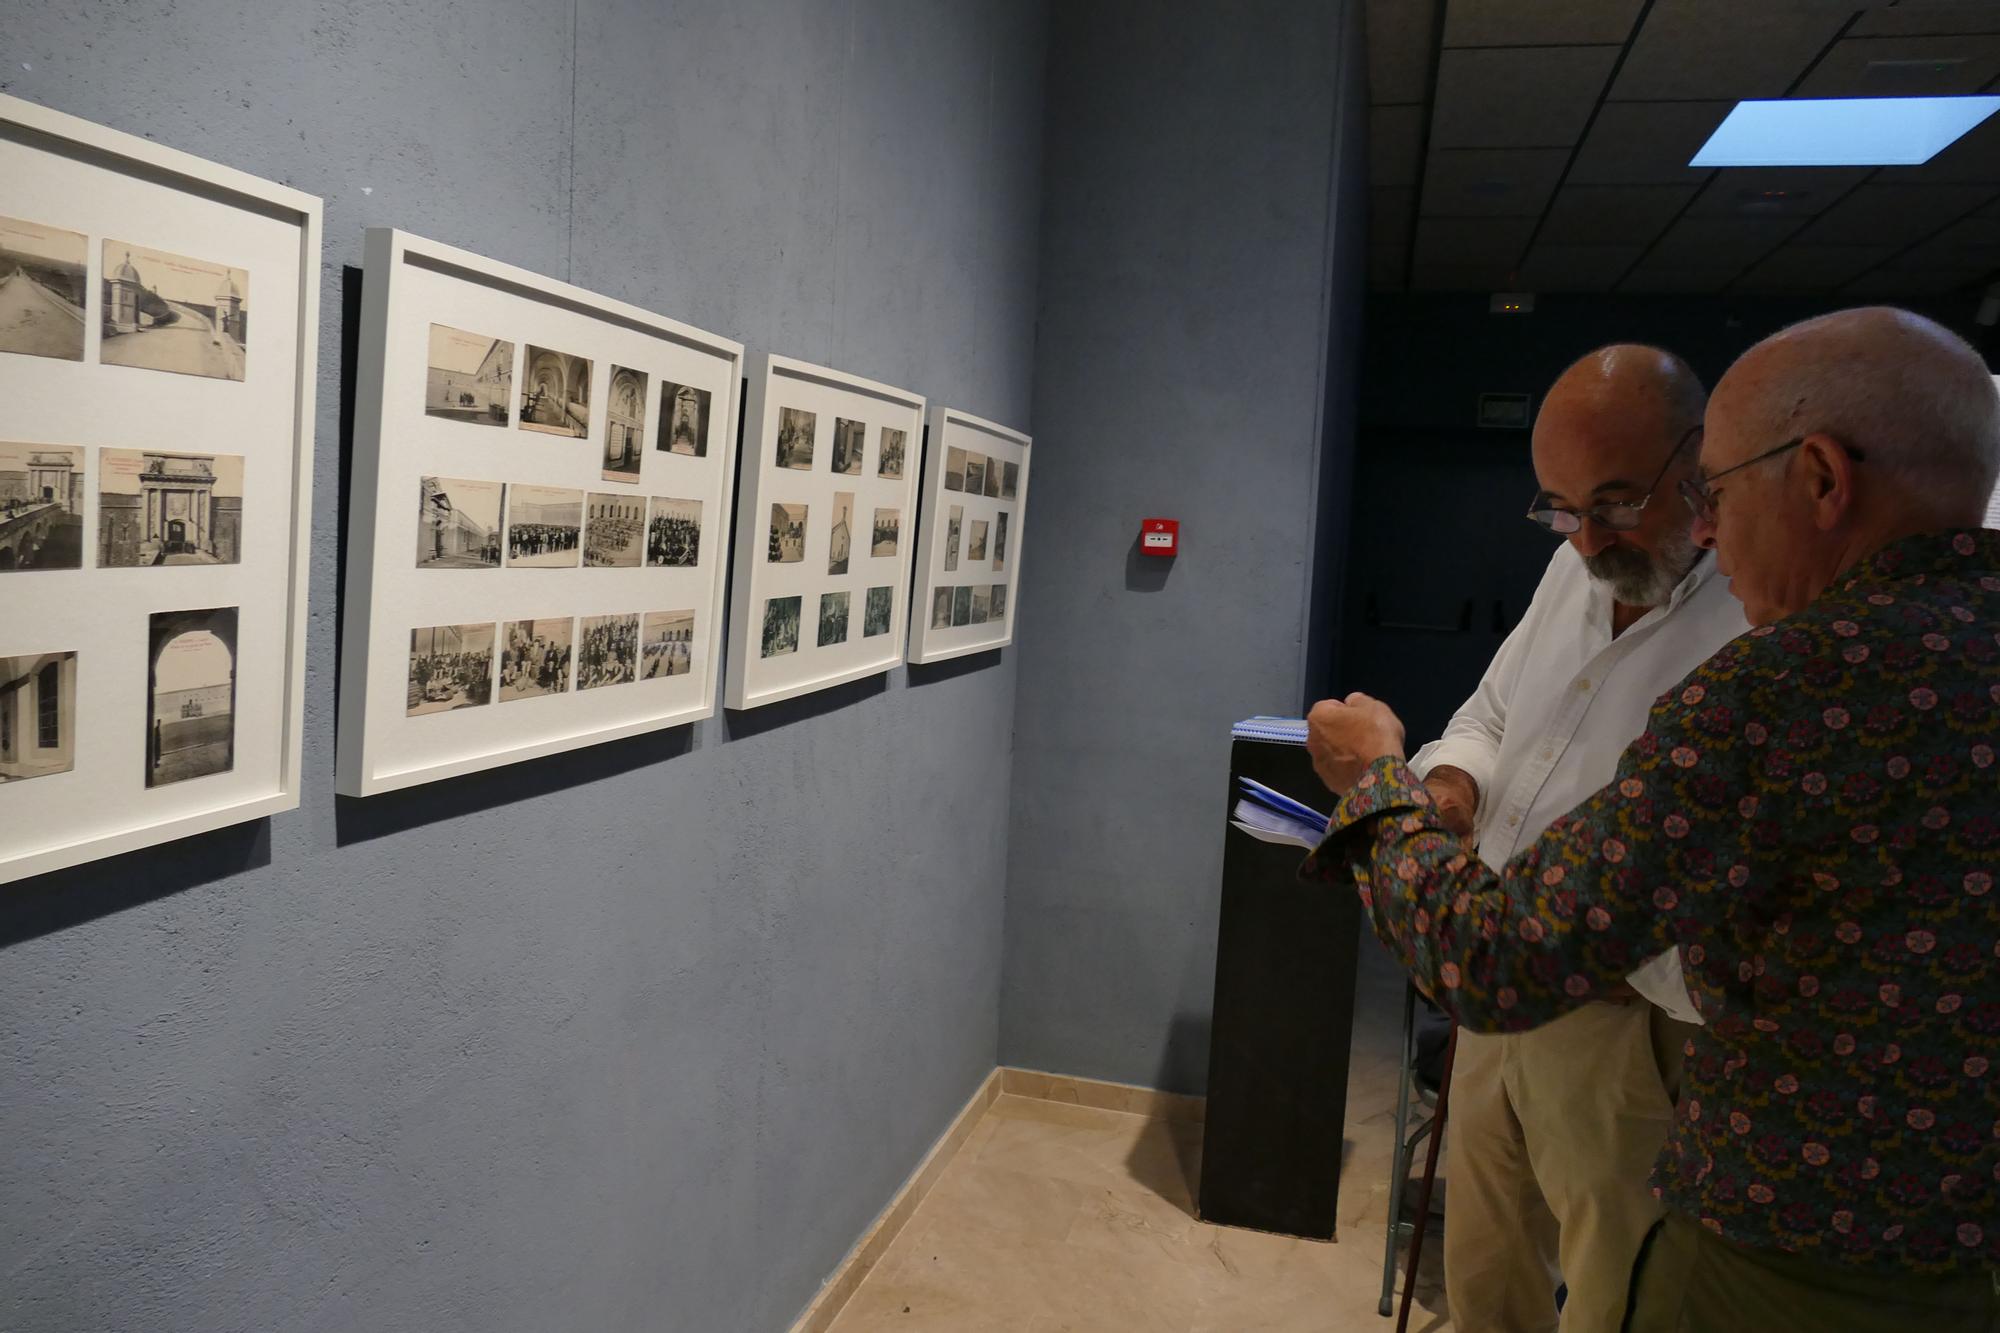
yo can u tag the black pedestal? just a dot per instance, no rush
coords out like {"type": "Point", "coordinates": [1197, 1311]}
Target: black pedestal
{"type": "Point", "coordinates": [1284, 1013]}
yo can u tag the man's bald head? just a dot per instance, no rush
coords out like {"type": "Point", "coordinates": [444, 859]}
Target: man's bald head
{"type": "Point", "coordinates": [1607, 433]}
{"type": "Point", "coordinates": [1839, 436]}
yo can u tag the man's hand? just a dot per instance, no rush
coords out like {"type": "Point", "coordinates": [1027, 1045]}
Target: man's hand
{"type": "Point", "coordinates": [1456, 795]}
{"type": "Point", "coordinates": [1345, 738]}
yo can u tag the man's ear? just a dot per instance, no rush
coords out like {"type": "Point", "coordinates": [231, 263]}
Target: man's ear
{"type": "Point", "coordinates": [1829, 477]}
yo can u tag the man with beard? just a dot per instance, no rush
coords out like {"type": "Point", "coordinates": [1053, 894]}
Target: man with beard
{"type": "Point", "coordinates": [1553, 1132]}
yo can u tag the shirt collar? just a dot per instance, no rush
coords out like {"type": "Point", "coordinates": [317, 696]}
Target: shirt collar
{"type": "Point", "coordinates": [1951, 552]}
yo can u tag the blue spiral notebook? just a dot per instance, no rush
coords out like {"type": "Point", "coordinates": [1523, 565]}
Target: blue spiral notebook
{"type": "Point", "coordinates": [1272, 816]}
{"type": "Point", "coordinates": [1263, 727]}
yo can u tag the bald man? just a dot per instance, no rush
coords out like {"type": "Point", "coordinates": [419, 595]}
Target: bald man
{"type": "Point", "coordinates": [1812, 819]}
{"type": "Point", "coordinates": [1552, 1132]}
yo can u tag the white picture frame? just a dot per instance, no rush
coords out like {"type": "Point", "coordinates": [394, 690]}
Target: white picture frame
{"type": "Point", "coordinates": [946, 564]}
{"type": "Point", "coordinates": [153, 634]}
{"type": "Point", "coordinates": [771, 572]}
{"type": "Point", "coordinates": [476, 374]}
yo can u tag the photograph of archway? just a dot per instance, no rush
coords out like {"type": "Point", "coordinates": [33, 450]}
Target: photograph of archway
{"type": "Point", "coordinates": [42, 278]}
{"type": "Point", "coordinates": [669, 644]}
{"type": "Point", "coordinates": [458, 523]}
{"type": "Point", "coordinates": [470, 377]}
{"type": "Point", "coordinates": [684, 420]}
{"type": "Point", "coordinates": [555, 392]}
{"type": "Point", "coordinates": [168, 312]}
{"type": "Point", "coordinates": [41, 507]}
{"type": "Point", "coordinates": [624, 425]}
{"type": "Point", "coordinates": [451, 667]}
{"type": "Point", "coordinates": [168, 509]}
{"type": "Point", "coordinates": [37, 715]}
{"type": "Point", "coordinates": [191, 695]}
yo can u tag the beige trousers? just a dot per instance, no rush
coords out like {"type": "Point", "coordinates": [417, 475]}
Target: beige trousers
{"type": "Point", "coordinates": [1550, 1139]}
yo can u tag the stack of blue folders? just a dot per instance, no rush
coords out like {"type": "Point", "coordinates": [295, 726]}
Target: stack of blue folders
{"type": "Point", "coordinates": [1284, 730]}
{"type": "Point", "coordinates": [1272, 816]}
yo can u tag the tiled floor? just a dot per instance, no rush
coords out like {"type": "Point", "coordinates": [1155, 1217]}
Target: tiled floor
{"type": "Point", "coordinates": [1059, 1219]}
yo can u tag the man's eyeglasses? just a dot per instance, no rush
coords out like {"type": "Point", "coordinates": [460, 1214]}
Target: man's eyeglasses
{"type": "Point", "coordinates": [1616, 515]}
{"type": "Point", "coordinates": [1700, 492]}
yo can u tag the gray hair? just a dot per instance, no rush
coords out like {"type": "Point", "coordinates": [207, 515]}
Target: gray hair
{"type": "Point", "coordinates": [1906, 391]}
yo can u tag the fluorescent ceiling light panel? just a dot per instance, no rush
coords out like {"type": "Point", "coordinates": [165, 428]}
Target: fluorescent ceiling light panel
{"type": "Point", "coordinates": [1841, 131]}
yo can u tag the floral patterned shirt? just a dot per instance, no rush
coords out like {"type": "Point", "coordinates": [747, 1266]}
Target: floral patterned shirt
{"type": "Point", "coordinates": [1813, 818]}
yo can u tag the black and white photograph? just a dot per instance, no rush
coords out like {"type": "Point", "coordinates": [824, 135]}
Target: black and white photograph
{"type": "Point", "coordinates": [788, 534]}
{"type": "Point", "coordinates": [954, 468]}
{"type": "Point", "coordinates": [894, 444]}
{"type": "Point", "coordinates": [849, 440]}
{"type": "Point", "coordinates": [832, 618]}
{"type": "Point", "coordinates": [614, 531]}
{"type": "Point", "coordinates": [840, 540]}
{"type": "Point", "coordinates": [37, 715]}
{"type": "Point", "coordinates": [941, 608]}
{"type": "Point", "coordinates": [1010, 481]}
{"type": "Point", "coordinates": [42, 278]}
{"type": "Point", "coordinates": [535, 657]}
{"type": "Point", "coordinates": [41, 507]}
{"type": "Point", "coordinates": [999, 602]}
{"type": "Point", "coordinates": [458, 523]}
{"type": "Point", "coordinates": [954, 524]}
{"type": "Point", "coordinates": [607, 651]}
{"type": "Point", "coordinates": [795, 438]}
{"type": "Point", "coordinates": [168, 312]}
{"type": "Point", "coordinates": [683, 420]}
{"type": "Point", "coordinates": [451, 667]}
{"type": "Point", "coordinates": [471, 377]}
{"type": "Point", "coordinates": [992, 478]}
{"type": "Point", "coordinates": [975, 549]}
{"type": "Point", "coordinates": [668, 648]}
{"type": "Point", "coordinates": [544, 527]}
{"type": "Point", "coordinates": [555, 392]}
{"type": "Point", "coordinates": [887, 533]}
{"type": "Point", "coordinates": [168, 509]}
{"type": "Point", "coordinates": [624, 425]}
{"type": "Point", "coordinates": [875, 614]}
{"type": "Point", "coordinates": [673, 532]}
{"type": "Point", "coordinates": [781, 626]}
{"type": "Point", "coordinates": [975, 474]}
{"type": "Point", "coordinates": [191, 694]}
{"type": "Point", "coordinates": [981, 602]}
{"type": "Point", "coordinates": [1000, 542]}
{"type": "Point", "coordinates": [961, 606]}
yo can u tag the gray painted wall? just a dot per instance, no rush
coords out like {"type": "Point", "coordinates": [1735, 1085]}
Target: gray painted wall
{"type": "Point", "coordinates": [1193, 240]}
{"type": "Point", "coordinates": [639, 1037]}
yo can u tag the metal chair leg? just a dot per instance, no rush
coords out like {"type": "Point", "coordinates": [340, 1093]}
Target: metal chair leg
{"type": "Point", "coordinates": [1399, 1163]}
{"type": "Point", "coordinates": [1430, 1179]}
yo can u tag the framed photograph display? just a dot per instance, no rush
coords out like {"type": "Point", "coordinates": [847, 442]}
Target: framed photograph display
{"type": "Point", "coordinates": [159, 324]}
{"type": "Point", "coordinates": [822, 531]}
{"type": "Point", "coordinates": [538, 545]}
{"type": "Point", "coordinates": [969, 553]}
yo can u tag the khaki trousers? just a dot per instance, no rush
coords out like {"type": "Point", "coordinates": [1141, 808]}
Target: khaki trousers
{"type": "Point", "coordinates": [1691, 1281]}
{"type": "Point", "coordinates": [1551, 1138]}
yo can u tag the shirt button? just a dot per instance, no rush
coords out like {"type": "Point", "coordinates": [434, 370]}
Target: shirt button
{"type": "Point", "coordinates": [1548, 755]}
{"type": "Point", "coordinates": [1513, 820]}
{"type": "Point", "coordinates": [1584, 684]}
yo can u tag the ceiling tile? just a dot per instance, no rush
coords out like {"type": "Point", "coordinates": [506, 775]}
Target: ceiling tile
{"type": "Point", "coordinates": [1890, 284]}
{"type": "Point", "coordinates": [1892, 215]}
{"type": "Point", "coordinates": [1385, 267]}
{"type": "Point", "coordinates": [1904, 67]}
{"type": "Point", "coordinates": [1401, 37]}
{"type": "Point", "coordinates": [1472, 241]}
{"type": "Point", "coordinates": [1720, 242]}
{"type": "Point", "coordinates": [1812, 268]}
{"type": "Point", "coordinates": [1969, 243]}
{"type": "Point", "coordinates": [1481, 182]}
{"type": "Point", "coordinates": [1646, 143]}
{"type": "Point", "coordinates": [1975, 157]}
{"type": "Point", "coordinates": [1650, 277]}
{"type": "Point", "coordinates": [1916, 19]}
{"type": "Point", "coordinates": [1389, 212]}
{"type": "Point", "coordinates": [1724, 49]}
{"type": "Point", "coordinates": [1776, 192]}
{"type": "Point", "coordinates": [1538, 22]}
{"type": "Point", "coordinates": [1463, 278]}
{"type": "Point", "coordinates": [1577, 268]}
{"type": "Point", "coordinates": [1395, 144]}
{"type": "Point", "coordinates": [1513, 98]}
{"type": "Point", "coordinates": [1612, 214]}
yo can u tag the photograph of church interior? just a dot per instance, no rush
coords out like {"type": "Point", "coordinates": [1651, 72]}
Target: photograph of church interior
{"type": "Point", "coordinates": [1485, 817]}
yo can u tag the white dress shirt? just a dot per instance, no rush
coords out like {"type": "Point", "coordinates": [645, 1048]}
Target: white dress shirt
{"type": "Point", "coordinates": [1561, 701]}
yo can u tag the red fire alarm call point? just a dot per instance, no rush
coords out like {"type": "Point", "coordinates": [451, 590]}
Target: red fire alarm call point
{"type": "Point", "coordinates": [1160, 536]}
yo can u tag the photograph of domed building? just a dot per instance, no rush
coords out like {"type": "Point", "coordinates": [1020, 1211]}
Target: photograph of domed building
{"type": "Point", "coordinates": [168, 312]}
{"type": "Point", "coordinates": [41, 290]}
